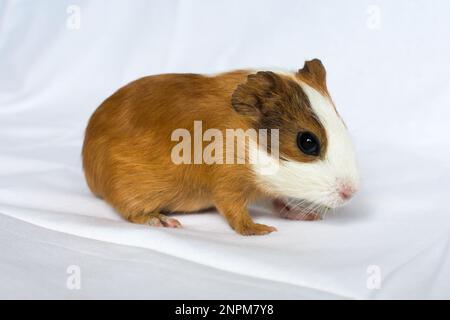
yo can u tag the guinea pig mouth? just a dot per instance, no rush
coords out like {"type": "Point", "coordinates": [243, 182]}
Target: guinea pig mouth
{"type": "Point", "coordinates": [295, 209]}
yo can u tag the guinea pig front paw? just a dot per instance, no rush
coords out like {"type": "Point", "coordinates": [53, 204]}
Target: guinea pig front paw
{"type": "Point", "coordinates": [254, 229]}
{"type": "Point", "coordinates": [161, 220]}
{"type": "Point", "coordinates": [301, 216]}
{"type": "Point", "coordinates": [298, 211]}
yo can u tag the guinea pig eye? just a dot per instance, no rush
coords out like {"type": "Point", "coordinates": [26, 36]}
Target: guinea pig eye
{"type": "Point", "coordinates": [308, 143]}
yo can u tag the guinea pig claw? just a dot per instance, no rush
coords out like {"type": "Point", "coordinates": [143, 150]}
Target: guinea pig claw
{"type": "Point", "coordinates": [161, 220]}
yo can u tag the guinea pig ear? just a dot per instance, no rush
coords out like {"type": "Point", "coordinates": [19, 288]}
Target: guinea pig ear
{"type": "Point", "coordinates": [315, 72]}
{"type": "Point", "coordinates": [255, 97]}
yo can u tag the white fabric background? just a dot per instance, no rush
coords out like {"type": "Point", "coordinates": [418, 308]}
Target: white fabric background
{"type": "Point", "coordinates": [389, 78]}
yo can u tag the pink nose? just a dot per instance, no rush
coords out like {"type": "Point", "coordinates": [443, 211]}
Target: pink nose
{"type": "Point", "coordinates": [346, 191]}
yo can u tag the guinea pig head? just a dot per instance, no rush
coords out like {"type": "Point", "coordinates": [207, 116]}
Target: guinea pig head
{"type": "Point", "coordinates": [317, 159]}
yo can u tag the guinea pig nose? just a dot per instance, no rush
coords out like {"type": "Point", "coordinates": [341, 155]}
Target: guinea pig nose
{"type": "Point", "coordinates": [346, 191]}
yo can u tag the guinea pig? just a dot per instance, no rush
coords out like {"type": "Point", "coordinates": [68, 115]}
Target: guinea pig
{"type": "Point", "coordinates": [131, 139]}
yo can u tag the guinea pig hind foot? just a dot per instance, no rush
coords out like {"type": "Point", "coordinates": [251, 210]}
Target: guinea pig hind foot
{"type": "Point", "coordinates": [161, 220]}
{"type": "Point", "coordinates": [156, 219]}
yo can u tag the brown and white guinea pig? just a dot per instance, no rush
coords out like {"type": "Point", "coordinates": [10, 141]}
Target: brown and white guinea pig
{"type": "Point", "coordinates": [127, 152]}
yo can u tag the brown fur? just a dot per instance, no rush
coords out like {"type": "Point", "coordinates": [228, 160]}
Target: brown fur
{"type": "Point", "coordinates": [274, 101]}
{"type": "Point", "coordinates": [314, 74]}
{"type": "Point", "coordinates": [127, 147]}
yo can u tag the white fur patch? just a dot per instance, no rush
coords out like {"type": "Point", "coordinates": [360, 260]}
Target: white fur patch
{"type": "Point", "coordinates": [316, 181]}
